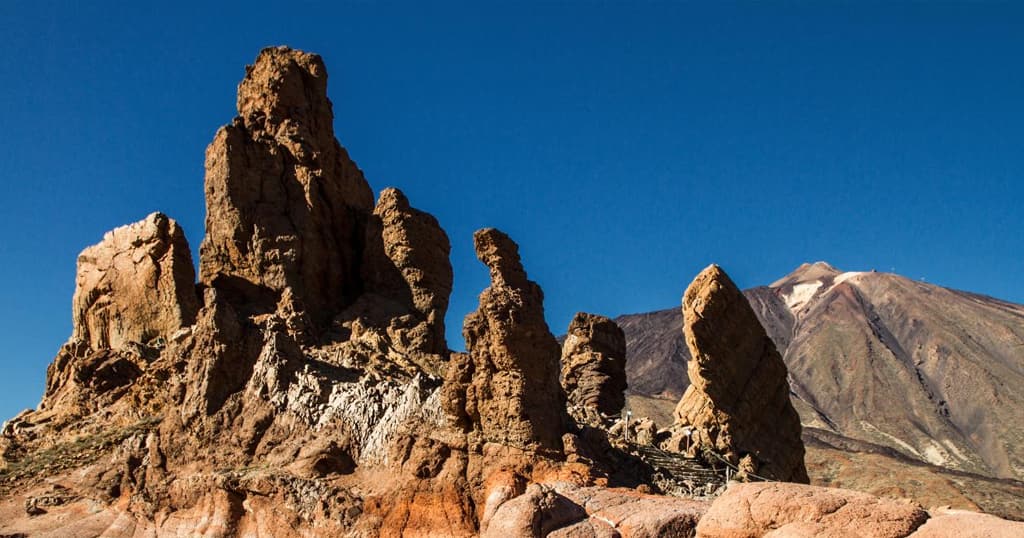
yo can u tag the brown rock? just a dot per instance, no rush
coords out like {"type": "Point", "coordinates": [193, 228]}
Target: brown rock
{"type": "Point", "coordinates": [407, 262]}
{"type": "Point", "coordinates": [781, 509]}
{"type": "Point", "coordinates": [137, 285]}
{"type": "Point", "coordinates": [738, 401]}
{"type": "Point", "coordinates": [514, 397]}
{"type": "Point", "coordinates": [594, 364]}
{"type": "Point", "coordinates": [286, 207]}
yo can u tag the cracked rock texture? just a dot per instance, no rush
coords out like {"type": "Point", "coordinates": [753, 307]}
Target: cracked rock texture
{"type": "Point", "coordinates": [594, 364]}
{"type": "Point", "coordinates": [407, 263]}
{"type": "Point", "coordinates": [513, 397]}
{"type": "Point", "coordinates": [738, 399]}
{"type": "Point", "coordinates": [135, 286]}
{"type": "Point", "coordinates": [286, 207]}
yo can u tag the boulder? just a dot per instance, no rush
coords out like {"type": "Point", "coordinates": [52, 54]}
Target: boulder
{"type": "Point", "coordinates": [948, 523]}
{"type": "Point", "coordinates": [737, 404]}
{"type": "Point", "coordinates": [783, 509]}
{"type": "Point", "coordinates": [594, 364]}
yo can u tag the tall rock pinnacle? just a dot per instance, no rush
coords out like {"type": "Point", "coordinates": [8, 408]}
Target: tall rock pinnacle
{"type": "Point", "coordinates": [738, 401]}
{"type": "Point", "coordinates": [594, 364]}
{"type": "Point", "coordinates": [513, 394]}
{"type": "Point", "coordinates": [286, 206]}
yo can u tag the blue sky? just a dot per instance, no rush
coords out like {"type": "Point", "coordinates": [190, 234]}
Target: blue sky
{"type": "Point", "coordinates": [625, 147]}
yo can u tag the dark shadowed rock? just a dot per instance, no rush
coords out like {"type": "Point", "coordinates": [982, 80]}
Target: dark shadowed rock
{"type": "Point", "coordinates": [594, 364]}
{"type": "Point", "coordinates": [738, 399]}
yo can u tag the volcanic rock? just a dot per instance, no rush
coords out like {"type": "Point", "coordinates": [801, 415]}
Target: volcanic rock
{"type": "Point", "coordinates": [780, 509]}
{"type": "Point", "coordinates": [594, 364]}
{"type": "Point", "coordinates": [285, 206]}
{"type": "Point", "coordinates": [514, 397]}
{"type": "Point", "coordinates": [135, 290]}
{"type": "Point", "coordinates": [947, 523]}
{"type": "Point", "coordinates": [407, 263]}
{"type": "Point", "coordinates": [738, 400]}
{"type": "Point", "coordinates": [135, 286]}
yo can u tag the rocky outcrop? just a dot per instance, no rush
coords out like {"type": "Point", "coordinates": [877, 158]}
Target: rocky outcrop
{"type": "Point", "coordinates": [738, 401]}
{"type": "Point", "coordinates": [135, 286]}
{"type": "Point", "coordinates": [777, 509]}
{"type": "Point", "coordinates": [134, 293]}
{"type": "Point", "coordinates": [512, 395]}
{"type": "Point", "coordinates": [594, 364]}
{"type": "Point", "coordinates": [406, 265]}
{"type": "Point", "coordinates": [286, 208]}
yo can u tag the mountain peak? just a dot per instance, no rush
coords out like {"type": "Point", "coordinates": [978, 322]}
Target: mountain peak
{"type": "Point", "coordinates": [807, 272]}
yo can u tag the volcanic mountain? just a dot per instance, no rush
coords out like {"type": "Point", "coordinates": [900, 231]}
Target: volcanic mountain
{"type": "Point", "coordinates": [922, 373]}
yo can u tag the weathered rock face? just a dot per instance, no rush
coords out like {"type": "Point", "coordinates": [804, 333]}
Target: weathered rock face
{"type": "Point", "coordinates": [407, 263]}
{"type": "Point", "coordinates": [135, 290]}
{"type": "Point", "coordinates": [594, 364]}
{"type": "Point", "coordinates": [738, 400]}
{"type": "Point", "coordinates": [137, 285]}
{"type": "Point", "coordinates": [513, 396]}
{"type": "Point", "coordinates": [286, 207]}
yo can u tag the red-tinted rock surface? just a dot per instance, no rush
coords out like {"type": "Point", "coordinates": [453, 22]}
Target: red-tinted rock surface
{"type": "Point", "coordinates": [946, 523]}
{"type": "Point", "coordinates": [780, 509]}
{"type": "Point", "coordinates": [738, 400]}
{"type": "Point", "coordinates": [594, 364]}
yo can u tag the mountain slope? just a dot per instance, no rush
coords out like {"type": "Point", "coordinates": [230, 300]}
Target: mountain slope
{"type": "Point", "coordinates": [933, 373]}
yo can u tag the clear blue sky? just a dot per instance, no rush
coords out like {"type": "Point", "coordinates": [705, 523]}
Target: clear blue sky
{"type": "Point", "coordinates": [623, 147]}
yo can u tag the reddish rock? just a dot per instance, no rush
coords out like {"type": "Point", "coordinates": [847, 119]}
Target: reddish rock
{"type": "Point", "coordinates": [783, 509]}
{"type": "Point", "coordinates": [947, 523]}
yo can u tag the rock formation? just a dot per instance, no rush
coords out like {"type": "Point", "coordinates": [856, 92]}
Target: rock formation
{"type": "Point", "coordinates": [308, 393]}
{"type": "Point", "coordinates": [135, 286]}
{"type": "Point", "coordinates": [594, 364]}
{"type": "Point", "coordinates": [738, 400]}
{"type": "Point", "coordinates": [406, 263]}
{"type": "Point", "coordinates": [285, 206]}
{"type": "Point", "coordinates": [134, 291]}
{"type": "Point", "coordinates": [513, 396]}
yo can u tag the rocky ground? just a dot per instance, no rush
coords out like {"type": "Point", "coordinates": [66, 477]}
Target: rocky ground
{"type": "Point", "coordinates": [301, 384]}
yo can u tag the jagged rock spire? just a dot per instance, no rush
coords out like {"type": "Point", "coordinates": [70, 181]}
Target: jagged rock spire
{"type": "Point", "coordinates": [507, 387]}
